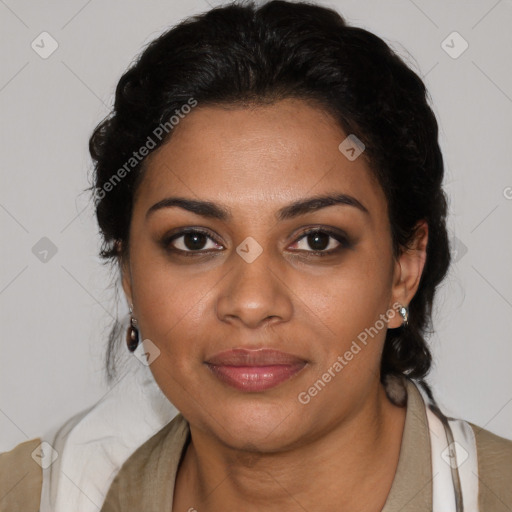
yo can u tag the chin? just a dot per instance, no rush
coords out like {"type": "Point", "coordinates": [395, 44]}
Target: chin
{"type": "Point", "coordinates": [270, 427]}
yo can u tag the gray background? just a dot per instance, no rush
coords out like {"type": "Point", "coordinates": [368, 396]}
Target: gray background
{"type": "Point", "coordinates": [55, 309]}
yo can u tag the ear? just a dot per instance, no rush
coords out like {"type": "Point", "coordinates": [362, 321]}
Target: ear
{"type": "Point", "coordinates": [408, 270]}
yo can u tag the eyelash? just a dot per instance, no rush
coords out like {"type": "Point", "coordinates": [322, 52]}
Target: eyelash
{"type": "Point", "coordinates": [343, 241]}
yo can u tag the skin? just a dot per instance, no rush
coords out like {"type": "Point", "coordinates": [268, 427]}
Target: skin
{"type": "Point", "coordinates": [247, 450]}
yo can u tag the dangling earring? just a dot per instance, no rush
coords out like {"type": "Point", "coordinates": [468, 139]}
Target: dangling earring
{"type": "Point", "coordinates": [404, 313]}
{"type": "Point", "coordinates": [132, 335]}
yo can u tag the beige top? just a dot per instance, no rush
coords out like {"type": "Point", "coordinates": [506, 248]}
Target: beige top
{"type": "Point", "coordinates": [146, 480]}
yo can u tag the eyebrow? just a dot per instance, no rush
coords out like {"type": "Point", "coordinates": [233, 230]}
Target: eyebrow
{"type": "Point", "coordinates": [295, 209]}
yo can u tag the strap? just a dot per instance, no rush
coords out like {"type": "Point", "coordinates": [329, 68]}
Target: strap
{"type": "Point", "coordinates": [454, 461]}
{"type": "Point", "coordinates": [467, 457]}
{"type": "Point", "coordinates": [443, 496]}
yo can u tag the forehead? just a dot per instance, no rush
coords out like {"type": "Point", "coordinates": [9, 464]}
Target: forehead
{"type": "Point", "coordinates": [256, 157]}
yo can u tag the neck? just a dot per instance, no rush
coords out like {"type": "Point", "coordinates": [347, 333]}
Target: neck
{"type": "Point", "coordinates": [353, 463]}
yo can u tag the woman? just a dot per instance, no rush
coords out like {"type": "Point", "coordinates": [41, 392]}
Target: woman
{"type": "Point", "coordinates": [270, 184]}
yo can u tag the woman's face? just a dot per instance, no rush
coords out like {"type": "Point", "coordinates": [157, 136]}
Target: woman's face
{"type": "Point", "coordinates": [251, 278]}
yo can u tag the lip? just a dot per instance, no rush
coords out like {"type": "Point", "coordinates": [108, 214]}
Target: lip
{"type": "Point", "coordinates": [254, 370]}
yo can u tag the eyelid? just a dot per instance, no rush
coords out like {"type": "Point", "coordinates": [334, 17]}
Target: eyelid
{"type": "Point", "coordinates": [339, 235]}
{"type": "Point", "coordinates": [167, 239]}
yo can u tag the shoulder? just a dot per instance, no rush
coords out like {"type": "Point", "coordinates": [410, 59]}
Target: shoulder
{"type": "Point", "coordinates": [151, 467]}
{"type": "Point", "coordinates": [494, 455]}
{"type": "Point", "coordinates": [21, 477]}
{"type": "Point", "coordinates": [168, 441]}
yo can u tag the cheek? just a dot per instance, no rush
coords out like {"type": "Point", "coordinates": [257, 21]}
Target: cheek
{"type": "Point", "coordinates": [174, 313]}
{"type": "Point", "coordinates": [171, 306]}
{"type": "Point", "coordinates": [348, 306]}
{"type": "Point", "coordinates": [354, 293]}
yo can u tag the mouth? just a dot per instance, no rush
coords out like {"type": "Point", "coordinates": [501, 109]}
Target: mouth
{"type": "Point", "coordinates": [254, 370]}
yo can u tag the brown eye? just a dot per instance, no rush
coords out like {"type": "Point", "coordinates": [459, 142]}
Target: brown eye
{"type": "Point", "coordinates": [321, 241]}
{"type": "Point", "coordinates": [318, 241]}
{"type": "Point", "coordinates": [190, 241]}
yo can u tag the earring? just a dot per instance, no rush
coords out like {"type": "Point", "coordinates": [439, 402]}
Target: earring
{"type": "Point", "coordinates": [404, 313]}
{"type": "Point", "coordinates": [132, 334]}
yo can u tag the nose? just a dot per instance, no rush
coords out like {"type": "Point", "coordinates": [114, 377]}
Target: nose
{"type": "Point", "coordinates": [254, 294]}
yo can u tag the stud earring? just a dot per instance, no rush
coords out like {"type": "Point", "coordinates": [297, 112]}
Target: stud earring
{"type": "Point", "coordinates": [132, 334]}
{"type": "Point", "coordinates": [404, 313]}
